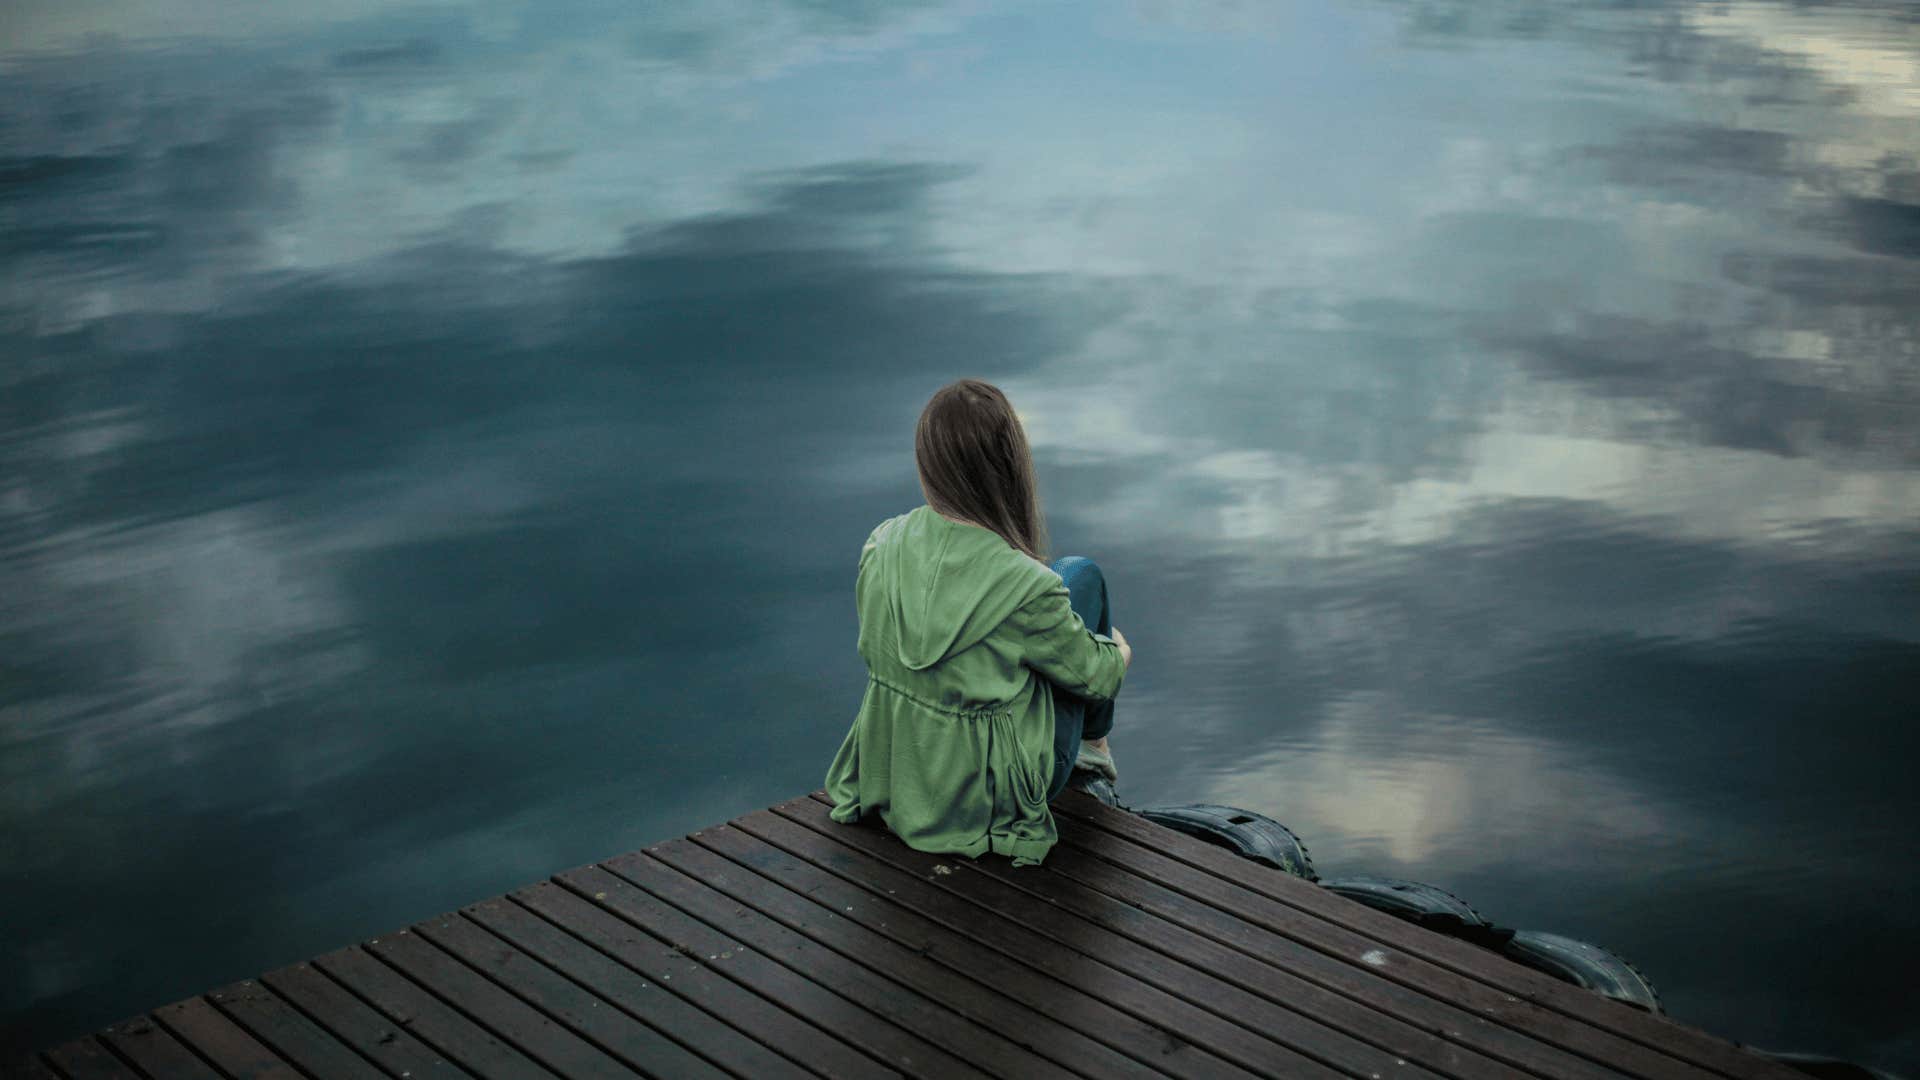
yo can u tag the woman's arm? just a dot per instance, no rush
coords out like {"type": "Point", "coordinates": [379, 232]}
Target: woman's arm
{"type": "Point", "coordinates": [1056, 643]}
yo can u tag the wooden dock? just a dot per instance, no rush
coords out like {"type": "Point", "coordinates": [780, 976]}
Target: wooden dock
{"type": "Point", "coordinates": [783, 944]}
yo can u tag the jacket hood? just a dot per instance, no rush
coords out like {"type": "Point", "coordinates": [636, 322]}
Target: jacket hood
{"type": "Point", "coordinates": [941, 586]}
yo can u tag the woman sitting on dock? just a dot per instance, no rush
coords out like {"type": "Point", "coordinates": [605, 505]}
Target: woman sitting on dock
{"type": "Point", "coordinates": [991, 674]}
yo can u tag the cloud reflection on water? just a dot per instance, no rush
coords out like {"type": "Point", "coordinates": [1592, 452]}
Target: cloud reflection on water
{"type": "Point", "coordinates": [443, 438]}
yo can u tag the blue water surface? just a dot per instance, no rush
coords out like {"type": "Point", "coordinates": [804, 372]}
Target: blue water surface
{"type": "Point", "coordinates": [436, 440]}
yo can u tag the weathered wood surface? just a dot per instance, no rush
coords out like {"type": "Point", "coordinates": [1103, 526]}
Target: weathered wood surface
{"type": "Point", "coordinates": [784, 944]}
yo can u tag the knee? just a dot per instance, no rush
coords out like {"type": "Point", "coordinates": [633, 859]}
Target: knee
{"type": "Point", "coordinates": [1072, 568]}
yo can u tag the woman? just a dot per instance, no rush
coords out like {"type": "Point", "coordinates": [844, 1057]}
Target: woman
{"type": "Point", "coordinates": [985, 684]}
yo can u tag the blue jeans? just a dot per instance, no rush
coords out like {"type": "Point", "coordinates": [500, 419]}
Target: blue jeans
{"type": "Point", "coordinates": [1077, 718]}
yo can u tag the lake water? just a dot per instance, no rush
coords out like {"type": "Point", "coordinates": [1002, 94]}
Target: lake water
{"type": "Point", "coordinates": [436, 441]}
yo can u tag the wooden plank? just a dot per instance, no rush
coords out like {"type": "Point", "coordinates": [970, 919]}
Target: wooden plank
{"type": "Point", "coordinates": [210, 1034]}
{"type": "Point", "coordinates": [29, 1068]}
{"type": "Point", "coordinates": [289, 1034]}
{"type": "Point", "coordinates": [1378, 976]}
{"type": "Point", "coordinates": [962, 997]}
{"type": "Point", "coordinates": [1256, 989]}
{"type": "Point", "coordinates": [957, 1036]}
{"type": "Point", "coordinates": [1174, 967]}
{"type": "Point", "coordinates": [88, 1059]}
{"type": "Point", "coordinates": [806, 1036]}
{"type": "Point", "coordinates": [155, 1052]}
{"type": "Point", "coordinates": [354, 1022]}
{"type": "Point", "coordinates": [1088, 960]}
{"type": "Point", "coordinates": [1164, 1048]}
{"type": "Point", "coordinates": [1658, 1032]}
{"type": "Point", "coordinates": [786, 945]}
{"type": "Point", "coordinates": [427, 1017]}
{"type": "Point", "coordinates": [1493, 1022]}
{"type": "Point", "coordinates": [958, 1039]}
{"type": "Point", "coordinates": [535, 1033]}
{"type": "Point", "coordinates": [1499, 1026]}
{"type": "Point", "coordinates": [638, 1046]}
{"type": "Point", "coordinates": [729, 1047]}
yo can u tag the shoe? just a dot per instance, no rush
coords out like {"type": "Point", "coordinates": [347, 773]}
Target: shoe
{"type": "Point", "coordinates": [1099, 762]}
{"type": "Point", "coordinates": [1094, 784]}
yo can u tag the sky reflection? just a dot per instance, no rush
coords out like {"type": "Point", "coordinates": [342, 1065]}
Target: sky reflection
{"type": "Point", "coordinates": [437, 439]}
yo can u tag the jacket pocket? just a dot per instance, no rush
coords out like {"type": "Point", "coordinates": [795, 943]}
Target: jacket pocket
{"type": "Point", "coordinates": [1032, 788]}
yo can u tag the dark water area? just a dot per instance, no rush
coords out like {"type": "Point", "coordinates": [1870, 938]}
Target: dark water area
{"type": "Point", "coordinates": [436, 441]}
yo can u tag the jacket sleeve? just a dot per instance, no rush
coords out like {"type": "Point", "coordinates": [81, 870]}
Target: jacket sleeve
{"type": "Point", "coordinates": [1056, 643]}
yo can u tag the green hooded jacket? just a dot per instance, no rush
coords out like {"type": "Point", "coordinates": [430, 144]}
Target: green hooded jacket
{"type": "Point", "coordinates": [964, 637]}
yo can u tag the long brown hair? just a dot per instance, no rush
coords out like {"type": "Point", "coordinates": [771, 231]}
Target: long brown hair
{"type": "Point", "coordinates": [975, 464]}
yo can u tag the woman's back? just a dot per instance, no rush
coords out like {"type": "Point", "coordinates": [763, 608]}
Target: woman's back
{"type": "Point", "coordinates": [964, 638]}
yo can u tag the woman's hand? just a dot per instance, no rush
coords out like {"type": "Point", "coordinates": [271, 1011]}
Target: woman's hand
{"type": "Point", "coordinates": [1126, 650]}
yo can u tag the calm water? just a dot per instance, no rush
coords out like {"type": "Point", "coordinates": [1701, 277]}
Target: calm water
{"type": "Point", "coordinates": [436, 440]}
